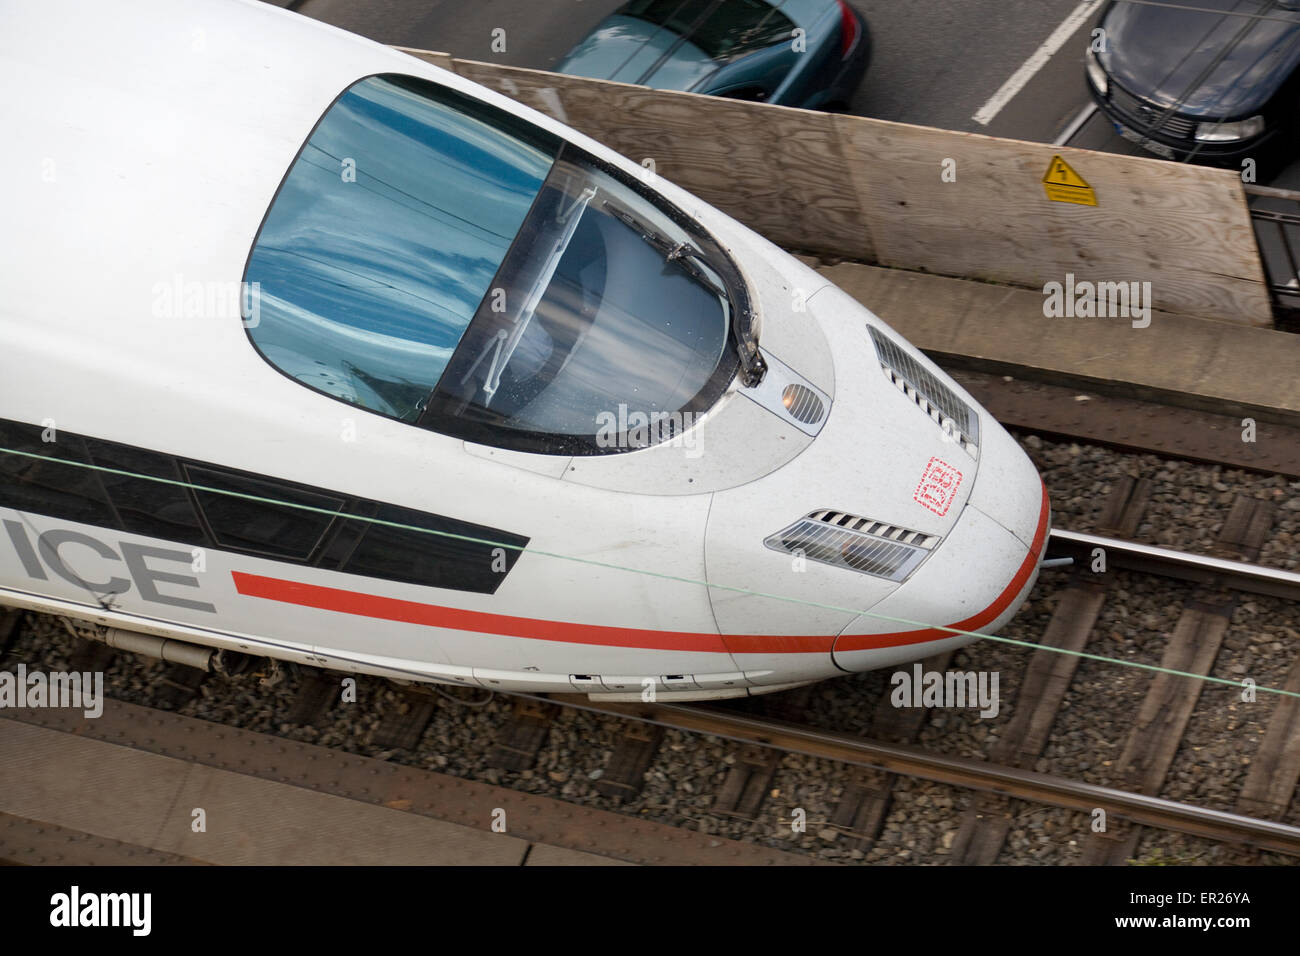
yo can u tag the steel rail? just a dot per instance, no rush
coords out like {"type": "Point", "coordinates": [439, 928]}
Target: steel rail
{"type": "Point", "coordinates": [1252, 189]}
{"type": "Point", "coordinates": [1200, 568]}
{"type": "Point", "coordinates": [1029, 785]}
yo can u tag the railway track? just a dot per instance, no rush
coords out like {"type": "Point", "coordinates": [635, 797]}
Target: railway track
{"type": "Point", "coordinates": [1003, 783]}
{"type": "Point", "coordinates": [1006, 776]}
{"type": "Point", "coordinates": [1042, 788]}
{"type": "Point", "coordinates": [1206, 570]}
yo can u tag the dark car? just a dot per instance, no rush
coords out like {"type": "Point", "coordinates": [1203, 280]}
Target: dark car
{"type": "Point", "coordinates": [808, 53]}
{"type": "Point", "coordinates": [1214, 81]}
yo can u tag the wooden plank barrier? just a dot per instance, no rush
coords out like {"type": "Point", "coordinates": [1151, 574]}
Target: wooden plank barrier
{"type": "Point", "coordinates": [874, 191]}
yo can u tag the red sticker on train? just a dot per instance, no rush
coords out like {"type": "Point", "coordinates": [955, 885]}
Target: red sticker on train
{"type": "Point", "coordinates": [938, 486]}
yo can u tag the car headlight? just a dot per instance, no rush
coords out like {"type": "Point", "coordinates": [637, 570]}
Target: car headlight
{"type": "Point", "coordinates": [1097, 74]}
{"type": "Point", "coordinates": [1229, 132]}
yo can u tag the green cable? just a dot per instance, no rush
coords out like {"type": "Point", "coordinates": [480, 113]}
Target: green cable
{"type": "Point", "coordinates": [658, 574]}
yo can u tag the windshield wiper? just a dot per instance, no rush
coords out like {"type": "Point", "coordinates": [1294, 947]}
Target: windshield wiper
{"type": "Point", "coordinates": [688, 258]}
{"type": "Point", "coordinates": [503, 344]}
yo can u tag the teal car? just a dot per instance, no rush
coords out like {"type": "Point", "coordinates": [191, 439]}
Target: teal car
{"type": "Point", "coordinates": [806, 53]}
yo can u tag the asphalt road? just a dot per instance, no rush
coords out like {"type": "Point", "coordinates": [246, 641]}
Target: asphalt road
{"type": "Point", "coordinates": [934, 63]}
{"type": "Point", "coordinates": [1018, 64]}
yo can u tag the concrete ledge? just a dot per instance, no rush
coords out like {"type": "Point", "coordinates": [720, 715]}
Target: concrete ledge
{"type": "Point", "coordinates": [146, 800]}
{"type": "Point", "coordinates": [127, 782]}
{"type": "Point", "coordinates": [1195, 363]}
{"type": "Point", "coordinates": [27, 842]}
{"type": "Point", "coordinates": [545, 855]}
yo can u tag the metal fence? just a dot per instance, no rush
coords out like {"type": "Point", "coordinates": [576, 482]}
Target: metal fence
{"type": "Point", "coordinates": [1275, 214]}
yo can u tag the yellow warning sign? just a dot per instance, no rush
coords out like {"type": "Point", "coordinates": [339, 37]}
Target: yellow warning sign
{"type": "Point", "coordinates": [1063, 184]}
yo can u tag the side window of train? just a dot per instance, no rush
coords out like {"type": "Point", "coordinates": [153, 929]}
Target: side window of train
{"type": "Point", "coordinates": [457, 555]}
{"type": "Point", "coordinates": [148, 493]}
{"type": "Point", "coordinates": [154, 508]}
{"type": "Point", "coordinates": [32, 482]}
{"type": "Point", "coordinates": [262, 517]}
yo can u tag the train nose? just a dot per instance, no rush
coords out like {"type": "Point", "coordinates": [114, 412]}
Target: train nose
{"type": "Point", "coordinates": [975, 580]}
{"type": "Point", "coordinates": [912, 510]}
{"type": "Point", "coordinates": [1008, 489]}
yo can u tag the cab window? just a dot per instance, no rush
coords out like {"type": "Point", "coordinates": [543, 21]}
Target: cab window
{"type": "Point", "coordinates": [444, 263]}
{"type": "Point", "coordinates": [385, 237]}
{"type": "Point", "coordinates": [612, 311]}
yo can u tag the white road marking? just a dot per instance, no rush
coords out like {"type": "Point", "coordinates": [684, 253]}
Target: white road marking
{"type": "Point", "coordinates": [1035, 63]}
{"type": "Point", "coordinates": [1076, 124]}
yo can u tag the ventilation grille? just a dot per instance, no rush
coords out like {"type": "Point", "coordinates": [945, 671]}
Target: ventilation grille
{"type": "Point", "coordinates": [879, 528]}
{"type": "Point", "coordinates": [858, 544]}
{"type": "Point", "coordinates": [929, 394]}
{"type": "Point", "coordinates": [802, 403]}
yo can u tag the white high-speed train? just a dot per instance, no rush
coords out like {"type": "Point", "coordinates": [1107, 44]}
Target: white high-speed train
{"type": "Point", "coordinates": [314, 351]}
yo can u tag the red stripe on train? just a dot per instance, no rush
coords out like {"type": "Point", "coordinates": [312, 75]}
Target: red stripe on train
{"type": "Point", "coordinates": [864, 642]}
{"type": "Point", "coordinates": [485, 622]}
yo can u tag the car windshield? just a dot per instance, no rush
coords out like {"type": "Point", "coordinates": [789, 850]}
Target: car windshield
{"type": "Point", "coordinates": [724, 31]}
{"type": "Point", "coordinates": [385, 237]}
{"type": "Point", "coordinates": [609, 311]}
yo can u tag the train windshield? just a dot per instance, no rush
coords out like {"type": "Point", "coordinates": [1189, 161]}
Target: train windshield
{"type": "Point", "coordinates": [608, 326]}
{"type": "Point", "coordinates": [386, 235]}
{"type": "Point", "coordinates": [438, 260]}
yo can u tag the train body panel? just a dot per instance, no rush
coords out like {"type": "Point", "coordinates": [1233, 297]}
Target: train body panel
{"type": "Point", "coordinates": [163, 469]}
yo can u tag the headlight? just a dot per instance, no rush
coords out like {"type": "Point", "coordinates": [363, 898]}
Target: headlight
{"type": "Point", "coordinates": [1229, 132]}
{"type": "Point", "coordinates": [1097, 74]}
